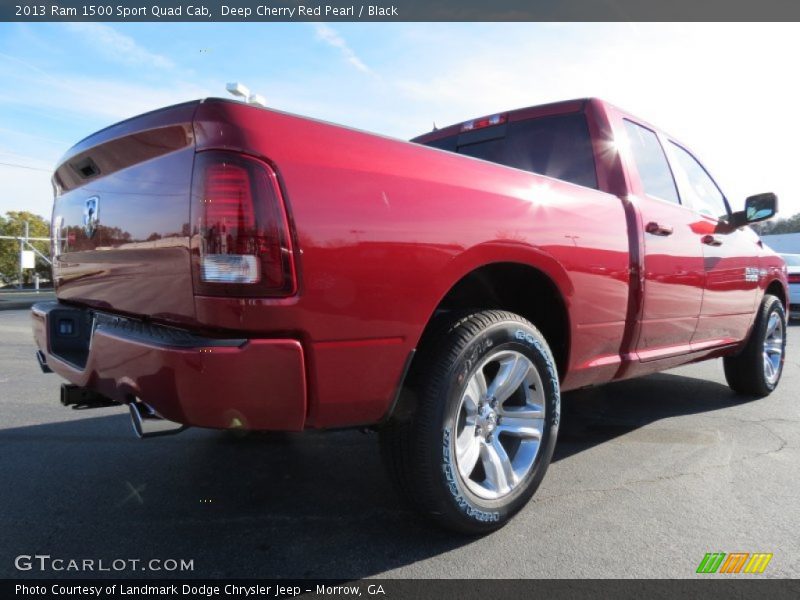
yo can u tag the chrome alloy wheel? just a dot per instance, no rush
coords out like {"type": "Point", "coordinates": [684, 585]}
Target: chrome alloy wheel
{"type": "Point", "coordinates": [499, 424]}
{"type": "Point", "coordinates": [773, 348]}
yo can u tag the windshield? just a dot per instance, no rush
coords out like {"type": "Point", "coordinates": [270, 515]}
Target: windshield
{"type": "Point", "coordinates": [558, 146]}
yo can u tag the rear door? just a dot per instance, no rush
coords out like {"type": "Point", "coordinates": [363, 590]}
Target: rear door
{"type": "Point", "coordinates": [730, 258]}
{"type": "Point", "coordinates": [672, 259]}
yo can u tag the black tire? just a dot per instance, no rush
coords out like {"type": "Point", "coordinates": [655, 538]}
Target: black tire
{"type": "Point", "coordinates": [746, 373]}
{"type": "Point", "coordinates": [420, 447]}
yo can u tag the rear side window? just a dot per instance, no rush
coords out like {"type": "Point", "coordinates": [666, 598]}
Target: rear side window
{"type": "Point", "coordinates": [697, 186]}
{"type": "Point", "coordinates": [558, 146]}
{"type": "Point", "coordinates": [651, 163]}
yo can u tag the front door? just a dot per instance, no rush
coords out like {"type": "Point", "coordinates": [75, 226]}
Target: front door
{"type": "Point", "coordinates": [729, 256]}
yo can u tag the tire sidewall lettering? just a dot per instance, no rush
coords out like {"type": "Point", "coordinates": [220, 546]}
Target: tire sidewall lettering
{"type": "Point", "coordinates": [453, 486]}
{"type": "Point", "coordinates": [476, 353]}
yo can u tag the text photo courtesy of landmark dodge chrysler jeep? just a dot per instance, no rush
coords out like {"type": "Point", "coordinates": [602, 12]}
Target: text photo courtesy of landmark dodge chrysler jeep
{"type": "Point", "coordinates": [228, 266]}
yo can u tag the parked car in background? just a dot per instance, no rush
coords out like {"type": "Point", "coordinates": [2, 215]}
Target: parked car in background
{"type": "Point", "coordinates": [793, 267]}
{"type": "Point", "coordinates": [227, 266]}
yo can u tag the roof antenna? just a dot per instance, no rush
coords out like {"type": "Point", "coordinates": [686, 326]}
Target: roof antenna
{"type": "Point", "coordinates": [435, 128]}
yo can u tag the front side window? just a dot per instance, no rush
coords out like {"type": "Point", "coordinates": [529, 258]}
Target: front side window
{"type": "Point", "coordinates": [696, 185]}
{"type": "Point", "coordinates": [651, 162]}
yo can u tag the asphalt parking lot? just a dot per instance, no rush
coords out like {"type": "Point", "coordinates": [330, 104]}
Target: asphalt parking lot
{"type": "Point", "coordinates": [648, 476]}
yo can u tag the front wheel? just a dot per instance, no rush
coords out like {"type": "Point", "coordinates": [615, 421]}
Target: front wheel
{"type": "Point", "coordinates": [482, 434]}
{"type": "Point", "coordinates": [757, 369]}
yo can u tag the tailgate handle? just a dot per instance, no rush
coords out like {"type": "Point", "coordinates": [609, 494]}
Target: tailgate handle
{"type": "Point", "coordinates": [710, 240]}
{"type": "Point", "coordinates": [655, 229]}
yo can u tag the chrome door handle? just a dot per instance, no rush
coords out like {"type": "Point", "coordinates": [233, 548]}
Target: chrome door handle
{"type": "Point", "coordinates": [654, 228]}
{"type": "Point", "coordinates": [710, 240]}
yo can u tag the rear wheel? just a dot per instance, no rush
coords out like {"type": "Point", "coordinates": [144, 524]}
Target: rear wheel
{"type": "Point", "coordinates": [482, 434]}
{"type": "Point", "coordinates": [757, 369]}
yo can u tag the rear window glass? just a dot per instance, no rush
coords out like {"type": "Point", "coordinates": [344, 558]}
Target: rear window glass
{"type": "Point", "coordinates": [558, 146]}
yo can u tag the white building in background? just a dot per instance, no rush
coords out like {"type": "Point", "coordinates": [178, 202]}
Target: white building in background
{"type": "Point", "coordinates": [783, 243]}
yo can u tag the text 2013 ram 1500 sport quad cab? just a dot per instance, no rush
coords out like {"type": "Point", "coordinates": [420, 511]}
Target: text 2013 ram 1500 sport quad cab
{"type": "Point", "coordinates": [227, 266]}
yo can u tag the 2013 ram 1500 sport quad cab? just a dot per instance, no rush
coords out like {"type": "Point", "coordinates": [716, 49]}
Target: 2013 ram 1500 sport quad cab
{"type": "Point", "coordinates": [226, 266]}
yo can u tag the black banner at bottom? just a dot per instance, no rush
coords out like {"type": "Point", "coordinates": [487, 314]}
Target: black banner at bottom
{"type": "Point", "coordinates": [397, 589]}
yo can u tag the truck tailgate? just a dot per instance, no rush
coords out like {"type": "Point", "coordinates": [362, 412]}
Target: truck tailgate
{"type": "Point", "coordinates": [121, 217]}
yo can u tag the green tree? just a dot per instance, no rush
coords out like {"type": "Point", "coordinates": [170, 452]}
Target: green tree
{"type": "Point", "coordinates": [788, 225]}
{"type": "Point", "coordinates": [14, 224]}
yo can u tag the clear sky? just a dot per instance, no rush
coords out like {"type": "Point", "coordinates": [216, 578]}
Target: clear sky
{"type": "Point", "coordinates": [729, 91]}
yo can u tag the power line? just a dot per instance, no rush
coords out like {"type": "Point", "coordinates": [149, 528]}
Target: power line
{"type": "Point", "coordinates": [5, 164]}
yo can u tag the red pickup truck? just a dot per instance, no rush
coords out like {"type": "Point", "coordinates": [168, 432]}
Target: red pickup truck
{"type": "Point", "coordinates": [227, 266]}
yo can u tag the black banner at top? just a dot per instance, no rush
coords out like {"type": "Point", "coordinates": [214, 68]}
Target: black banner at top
{"type": "Point", "coordinates": [398, 10]}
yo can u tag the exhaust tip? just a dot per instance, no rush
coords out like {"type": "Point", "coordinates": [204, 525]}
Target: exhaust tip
{"type": "Point", "coordinates": [147, 423]}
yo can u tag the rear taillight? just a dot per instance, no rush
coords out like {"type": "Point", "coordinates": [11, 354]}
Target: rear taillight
{"type": "Point", "coordinates": [794, 278]}
{"type": "Point", "coordinates": [240, 234]}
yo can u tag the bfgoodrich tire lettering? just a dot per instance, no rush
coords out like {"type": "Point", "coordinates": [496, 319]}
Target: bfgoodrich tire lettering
{"type": "Point", "coordinates": [480, 440]}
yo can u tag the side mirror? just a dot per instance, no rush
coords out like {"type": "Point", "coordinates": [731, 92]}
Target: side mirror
{"type": "Point", "coordinates": [756, 208]}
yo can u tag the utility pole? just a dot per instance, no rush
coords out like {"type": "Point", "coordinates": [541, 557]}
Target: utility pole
{"type": "Point", "coordinates": [21, 248]}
